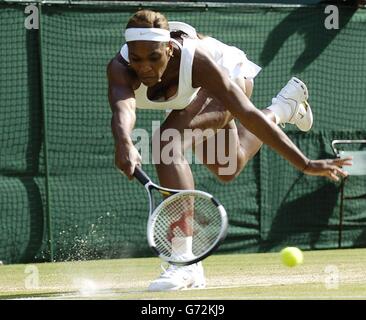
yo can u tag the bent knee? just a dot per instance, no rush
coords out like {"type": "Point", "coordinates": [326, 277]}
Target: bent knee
{"type": "Point", "coordinates": [228, 174]}
{"type": "Point", "coordinates": [226, 178]}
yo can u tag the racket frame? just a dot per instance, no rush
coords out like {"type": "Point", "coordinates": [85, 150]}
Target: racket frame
{"type": "Point", "coordinates": [145, 180]}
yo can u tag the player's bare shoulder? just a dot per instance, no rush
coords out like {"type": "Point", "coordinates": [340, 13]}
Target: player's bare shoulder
{"type": "Point", "coordinates": [203, 66]}
{"type": "Point", "coordinates": [121, 83]}
{"type": "Point", "coordinates": [120, 74]}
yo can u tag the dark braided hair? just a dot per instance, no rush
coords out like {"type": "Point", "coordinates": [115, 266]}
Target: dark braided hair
{"type": "Point", "coordinates": [148, 19]}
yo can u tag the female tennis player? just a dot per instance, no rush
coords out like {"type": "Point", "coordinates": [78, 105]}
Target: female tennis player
{"type": "Point", "coordinates": [204, 84]}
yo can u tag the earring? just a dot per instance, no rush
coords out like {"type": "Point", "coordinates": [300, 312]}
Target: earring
{"type": "Point", "coordinates": [170, 52]}
{"type": "Point", "coordinates": [159, 80]}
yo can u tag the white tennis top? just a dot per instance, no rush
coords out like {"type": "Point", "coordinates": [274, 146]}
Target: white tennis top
{"type": "Point", "coordinates": [231, 59]}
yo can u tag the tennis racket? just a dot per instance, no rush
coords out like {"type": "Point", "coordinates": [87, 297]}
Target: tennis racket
{"type": "Point", "coordinates": [185, 226]}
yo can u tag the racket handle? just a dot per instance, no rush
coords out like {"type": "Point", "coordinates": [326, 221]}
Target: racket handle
{"type": "Point", "coordinates": [141, 176]}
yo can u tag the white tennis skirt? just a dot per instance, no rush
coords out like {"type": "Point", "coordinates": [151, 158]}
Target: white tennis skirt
{"type": "Point", "coordinates": [233, 60]}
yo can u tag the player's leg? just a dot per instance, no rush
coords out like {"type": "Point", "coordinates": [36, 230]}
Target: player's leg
{"type": "Point", "coordinates": [207, 113]}
{"type": "Point", "coordinates": [289, 106]}
{"type": "Point", "coordinates": [203, 114]}
{"type": "Point", "coordinates": [174, 171]}
{"type": "Point", "coordinates": [233, 143]}
{"type": "Point", "coordinates": [202, 119]}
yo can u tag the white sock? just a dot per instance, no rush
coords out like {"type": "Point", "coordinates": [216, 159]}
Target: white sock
{"type": "Point", "coordinates": [282, 111]}
{"type": "Point", "coordinates": [182, 246]}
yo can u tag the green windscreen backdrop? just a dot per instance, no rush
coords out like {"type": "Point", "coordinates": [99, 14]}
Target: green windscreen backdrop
{"type": "Point", "coordinates": [57, 175]}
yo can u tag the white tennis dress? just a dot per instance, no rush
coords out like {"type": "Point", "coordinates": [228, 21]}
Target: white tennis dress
{"type": "Point", "coordinates": [231, 59]}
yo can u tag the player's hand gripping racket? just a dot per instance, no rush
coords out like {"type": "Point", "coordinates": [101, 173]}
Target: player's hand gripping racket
{"type": "Point", "coordinates": [186, 226]}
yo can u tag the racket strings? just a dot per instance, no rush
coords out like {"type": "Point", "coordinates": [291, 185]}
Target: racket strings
{"type": "Point", "coordinates": [187, 215]}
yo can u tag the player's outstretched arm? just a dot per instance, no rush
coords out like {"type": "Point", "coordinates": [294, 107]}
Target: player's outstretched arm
{"type": "Point", "coordinates": [207, 75]}
{"type": "Point", "coordinates": [123, 105]}
{"type": "Point", "coordinates": [330, 168]}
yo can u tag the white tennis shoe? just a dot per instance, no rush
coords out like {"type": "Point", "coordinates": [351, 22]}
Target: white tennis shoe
{"type": "Point", "coordinates": [180, 278]}
{"type": "Point", "coordinates": [295, 95]}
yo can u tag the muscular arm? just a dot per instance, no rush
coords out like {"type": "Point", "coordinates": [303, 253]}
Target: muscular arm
{"type": "Point", "coordinates": [207, 75]}
{"type": "Point", "coordinates": [122, 102]}
{"type": "Point", "coordinates": [123, 106]}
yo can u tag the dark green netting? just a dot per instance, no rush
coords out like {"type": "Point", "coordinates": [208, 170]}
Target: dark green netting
{"type": "Point", "coordinates": [22, 219]}
{"type": "Point", "coordinates": [304, 210]}
{"type": "Point", "coordinates": [96, 212]}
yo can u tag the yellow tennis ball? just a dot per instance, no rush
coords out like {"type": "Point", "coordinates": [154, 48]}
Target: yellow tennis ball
{"type": "Point", "coordinates": [291, 256]}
